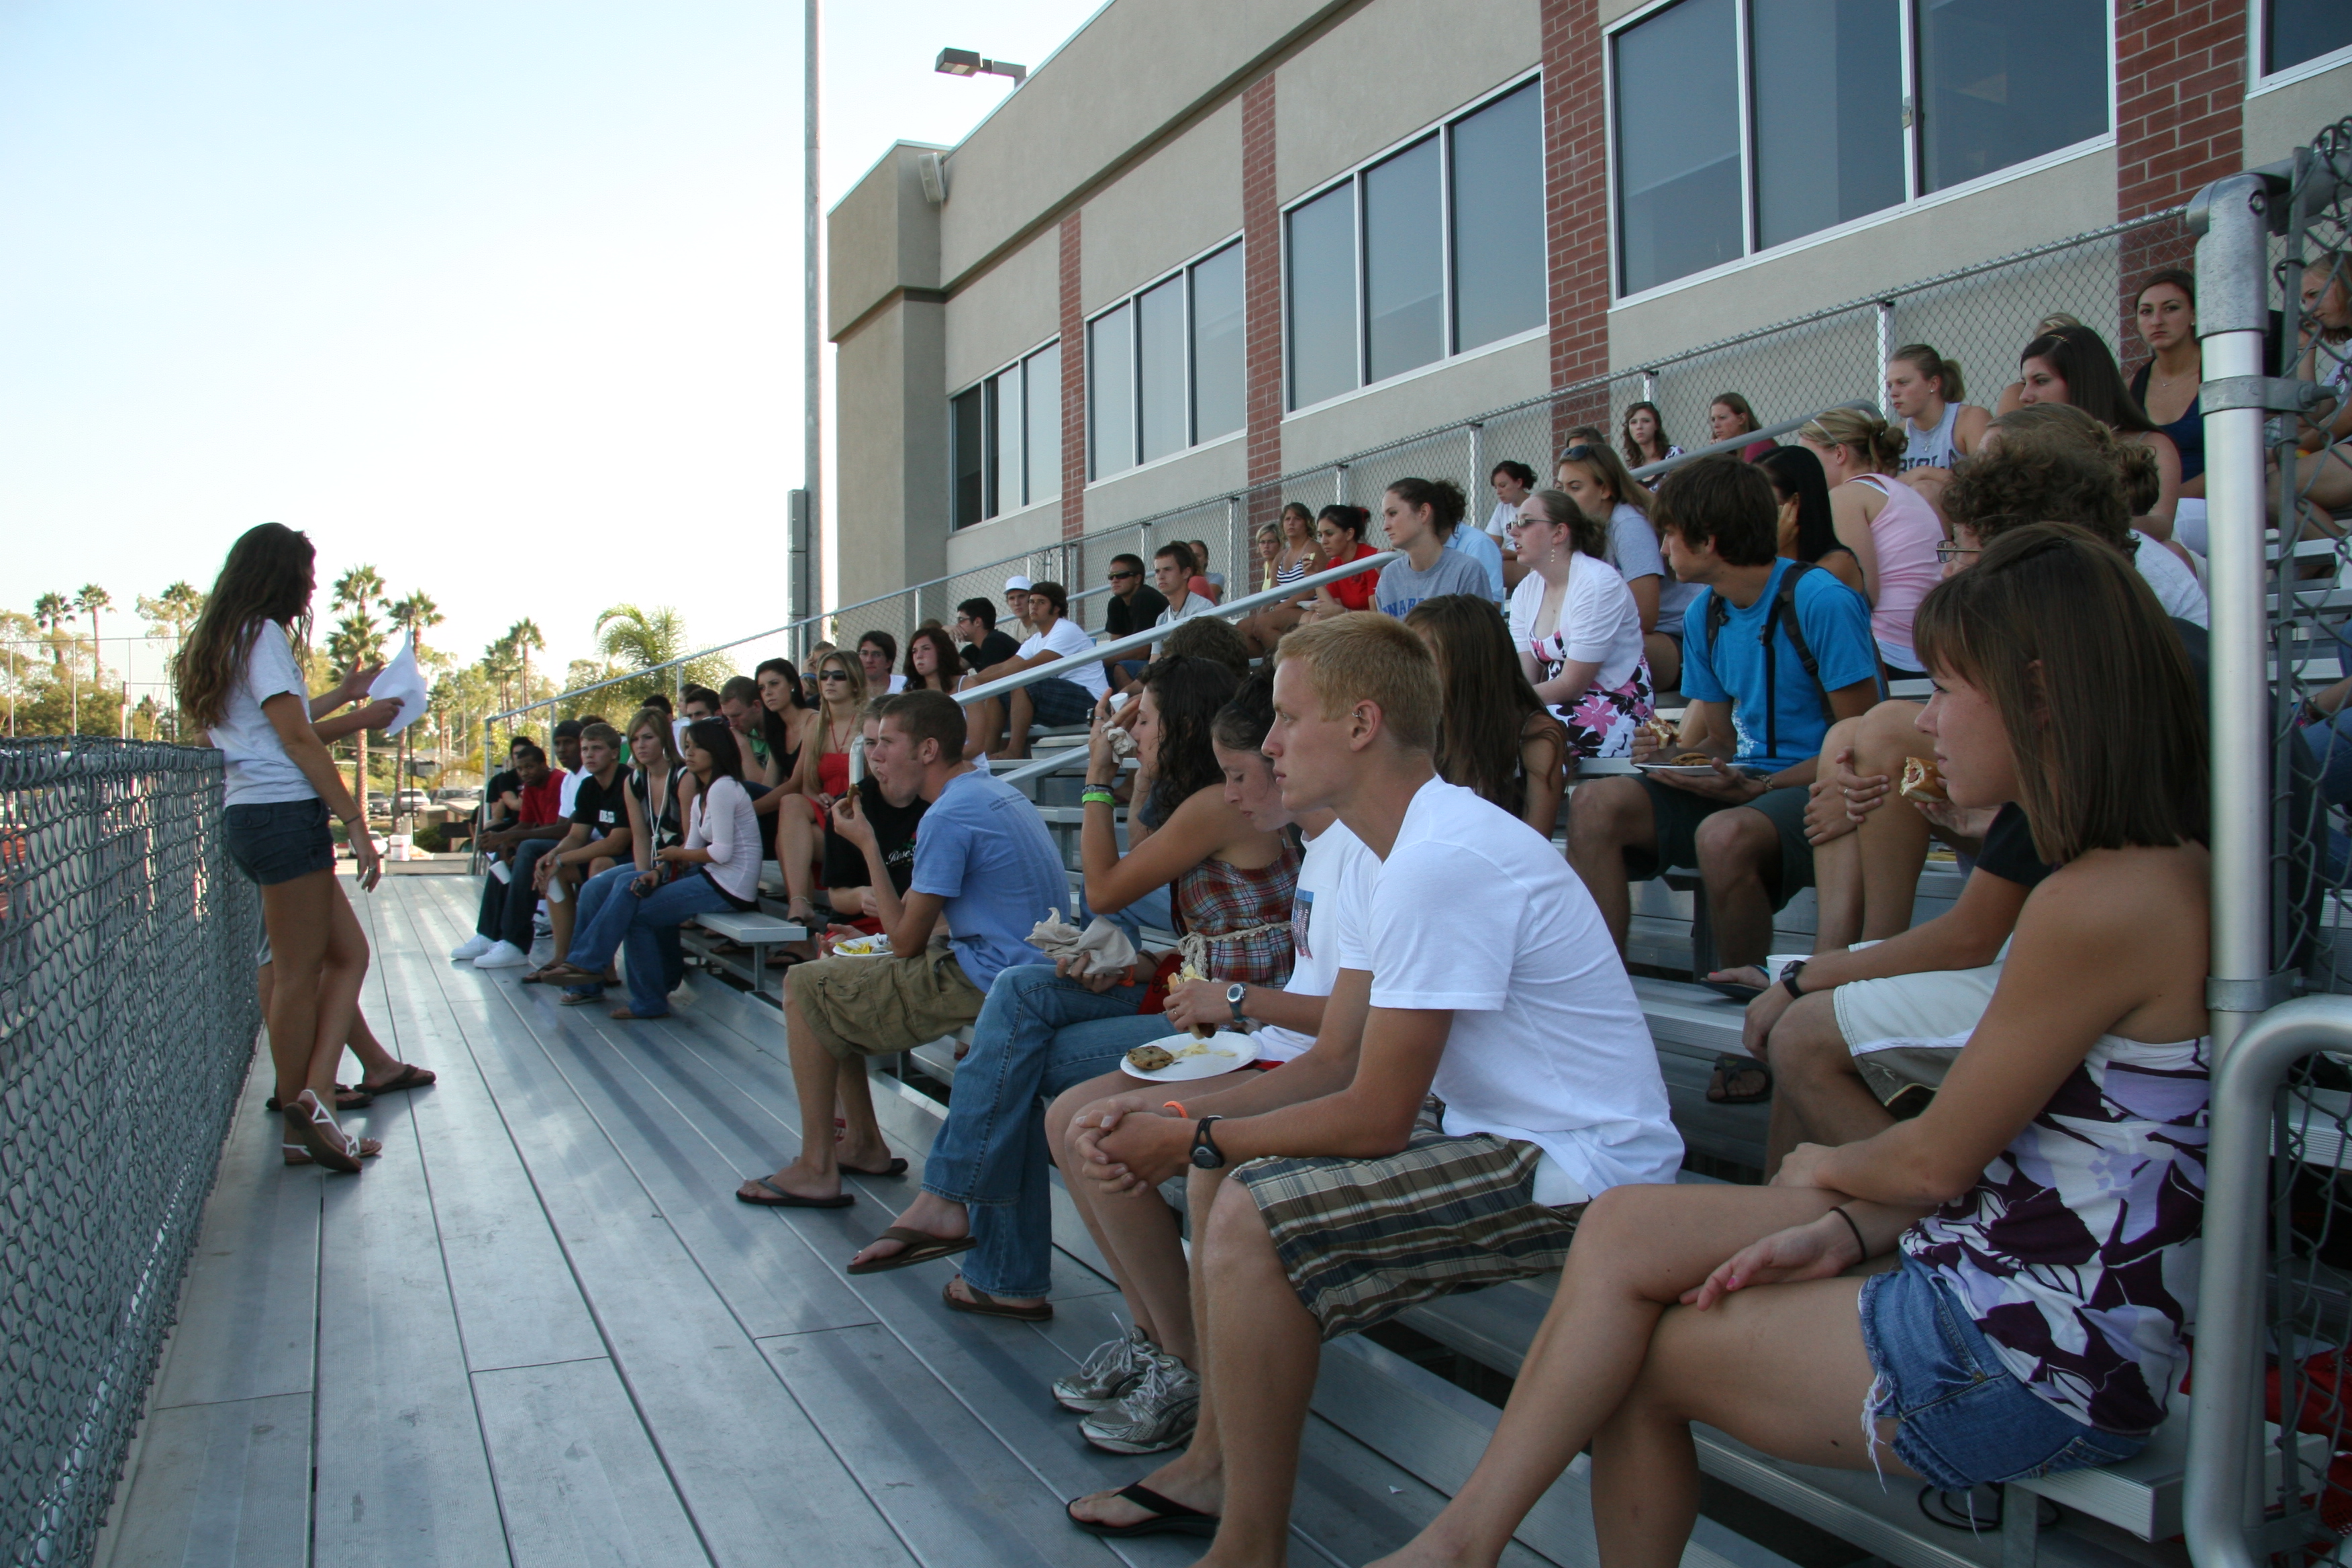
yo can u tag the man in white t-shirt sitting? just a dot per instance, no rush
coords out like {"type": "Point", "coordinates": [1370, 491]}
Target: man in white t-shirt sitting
{"type": "Point", "coordinates": [1066, 699]}
{"type": "Point", "coordinates": [1171, 572]}
{"type": "Point", "coordinates": [1345, 1205]}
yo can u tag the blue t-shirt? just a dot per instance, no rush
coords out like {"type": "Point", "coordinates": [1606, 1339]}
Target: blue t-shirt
{"type": "Point", "coordinates": [984, 848]}
{"type": "Point", "coordinates": [1836, 621]}
{"type": "Point", "coordinates": [1480, 546]}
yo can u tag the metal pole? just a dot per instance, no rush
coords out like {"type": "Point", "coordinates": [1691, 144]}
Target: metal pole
{"type": "Point", "coordinates": [1886, 352]}
{"type": "Point", "coordinates": [811, 363]}
{"type": "Point", "coordinates": [1478, 469]}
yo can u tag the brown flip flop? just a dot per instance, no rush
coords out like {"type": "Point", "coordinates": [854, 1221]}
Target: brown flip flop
{"type": "Point", "coordinates": [915, 1247]}
{"type": "Point", "coordinates": [409, 1077]}
{"type": "Point", "coordinates": [348, 1097]}
{"type": "Point", "coordinates": [784, 1200]}
{"type": "Point", "coordinates": [985, 1305]}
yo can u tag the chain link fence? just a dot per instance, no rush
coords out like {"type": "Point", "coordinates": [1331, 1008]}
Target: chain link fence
{"type": "Point", "coordinates": [127, 1018]}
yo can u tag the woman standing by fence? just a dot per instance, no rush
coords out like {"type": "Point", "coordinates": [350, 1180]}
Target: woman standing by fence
{"type": "Point", "coordinates": [241, 682]}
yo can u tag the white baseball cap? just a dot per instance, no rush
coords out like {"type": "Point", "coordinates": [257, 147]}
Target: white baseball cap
{"type": "Point", "coordinates": [1016, 584]}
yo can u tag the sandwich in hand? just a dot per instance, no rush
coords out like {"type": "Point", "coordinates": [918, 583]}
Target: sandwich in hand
{"type": "Point", "coordinates": [1921, 781]}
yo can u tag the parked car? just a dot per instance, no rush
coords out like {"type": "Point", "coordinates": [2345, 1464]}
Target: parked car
{"type": "Point", "coordinates": [409, 800]}
{"type": "Point", "coordinates": [379, 804]}
{"type": "Point", "coordinates": [464, 795]}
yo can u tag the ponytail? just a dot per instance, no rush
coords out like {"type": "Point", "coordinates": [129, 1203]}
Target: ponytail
{"type": "Point", "coordinates": [1443, 497]}
{"type": "Point", "coordinates": [1933, 366]}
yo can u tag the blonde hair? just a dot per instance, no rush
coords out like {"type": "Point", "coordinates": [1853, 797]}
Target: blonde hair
{"type": "Point", "coordinates": [1879, 444]}
{"type": "Point", "coordinates": [1371, 658]}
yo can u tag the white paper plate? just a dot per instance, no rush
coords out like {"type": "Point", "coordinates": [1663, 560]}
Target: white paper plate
{"type": "Point", "coordinates": [1684, 769]}
{"type": "Point", "coordinates": [862, 947]}
{"type": "Point", "coordinates": [1227, 1052]}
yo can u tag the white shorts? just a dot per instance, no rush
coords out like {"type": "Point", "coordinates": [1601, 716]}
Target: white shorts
{"type": "Point", "coordinates": [1905, 1030]}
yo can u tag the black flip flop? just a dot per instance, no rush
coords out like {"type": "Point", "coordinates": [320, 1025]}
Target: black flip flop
{"type": "Point", "coordinates": [411, 1077]}
{"type": "Point", "coordinates": [1169, 1517]}
{"type": "Point", "coordinates": [348, 1097]}
{"type": "Point", "coordinates": [1719, 1090]}
{"type": "Point", "coordinates": [896, 1168]}
{"type": "Point", "coordinates": [1733, 989]}
{"type": "Point", "coordinates": [918, 1246]}
{"type": "Point", "coordinates": [784, 1200]}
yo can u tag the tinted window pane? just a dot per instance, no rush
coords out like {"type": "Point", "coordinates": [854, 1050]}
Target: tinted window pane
{"type": "Point", "coordinates": [2005, 81]}
{"type": "Point", "coordinates": [1677, 144]}
{"type": "Point", "coordinates": [1217, 345]}
{"type": "Point", "coordinates": [1043, 392]}
{"type": "Point", "coordinates": [1498, 220]}
{"type": "Point", "coordinates": [1323, 297]}
{"type": "Point", "coordinates": [1827, 92]}
{"type": "Point", "coordinates": [1160, 322]}
{"type": "Point", "coordinates": [2294, 31]}
{"type": "Point", "coordinates": [1403, 264]}
{"type": "Point", "coordinates": [966, 454]}
{"type": "Point", "coordinates": [1110, 381]}
{"type": "Point", "coordinates": [1006, 412]}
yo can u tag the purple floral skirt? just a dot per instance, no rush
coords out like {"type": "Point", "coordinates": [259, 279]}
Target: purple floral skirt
{"type": "Point", "coordinates": [1602, 722]}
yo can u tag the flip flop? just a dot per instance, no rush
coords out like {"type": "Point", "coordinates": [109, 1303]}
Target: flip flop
{"type": "Point", "coordinates": [1169, 1517]}
{"type": "Point", "coordinates": [348, 1097]}
{"type": "Point", "coordinates": [985, 1305]}
{"type": "Point", "coordinates": [896, 1168]}
{"type": "Point", "coordinates": [1719, 1090]}
{"type": "Point", "coordinates": [919, 1247]}
{"type": "Point", "coordinates": [1733, 989]}
{"type": "Point", "coordinates": [784, 1200]}
{"type": "Point", "coordinates": [410, 1077]}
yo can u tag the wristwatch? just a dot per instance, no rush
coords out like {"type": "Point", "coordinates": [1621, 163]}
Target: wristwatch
{"type": "Point", "coordinates": [1789, 977]}
{"type": "Point", "coordinates": [1233, 997]}
{"type": "Point", "coordinates": [1206, 1155]}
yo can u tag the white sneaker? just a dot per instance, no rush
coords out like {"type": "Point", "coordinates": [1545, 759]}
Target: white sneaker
{"type": "Point", "coordinates": [1158, 1413]}
{"type": "Point", "coordinates": [1108, 1374]}
{"type": "Point", "coordinates": [502, 955]}
{"type": "Point", "coordinates": [473, 946]}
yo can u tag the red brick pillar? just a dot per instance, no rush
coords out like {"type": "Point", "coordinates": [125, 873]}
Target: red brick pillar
{"type": "Point", "coordinates": [2180, 84]}
{"type": "Point", "coordinates": [1074, 386]}
{"type": "Point", "coordinates": [1260, 295]}
{"type": "Point", "coordinates": [1576, 204]}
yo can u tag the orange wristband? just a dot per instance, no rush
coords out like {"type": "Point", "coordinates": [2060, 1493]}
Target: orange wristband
{"type": "Point", "coordinates": [1176, 1106]}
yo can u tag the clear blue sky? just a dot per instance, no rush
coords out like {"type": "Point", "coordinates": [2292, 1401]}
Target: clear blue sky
{"type": "Point", "coordinates": [501, 296]}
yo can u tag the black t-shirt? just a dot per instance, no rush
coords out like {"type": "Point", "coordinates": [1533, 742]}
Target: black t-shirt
{"type": "Point", "coordinates": [602, 809]}
{"type": "Point", "coordinates": [508, 782]}
{"type": "Point", "coordinates": [2009, 849]}
{"type": "Point", "coordinates": [894, 830]}
{"type": "Point", "coordinates": [990, 650]}
{"type": "Point", "coordinates": [664, 831]}
{"type": "Point", "coordinates": [1136, 614]}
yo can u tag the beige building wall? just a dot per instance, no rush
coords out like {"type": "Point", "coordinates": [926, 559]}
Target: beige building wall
{"type": "Point", "coordinates": [2281, 118]}
{"type": "Point", "coordinates": [1006, 312]}
{"type": "Point", "coordinates": [1181, 200]}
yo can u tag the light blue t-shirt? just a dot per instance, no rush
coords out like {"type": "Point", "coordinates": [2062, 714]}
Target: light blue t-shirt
{"type": "Point", "coordinates": [984, 848]}
{"type": "Point", "coordinates": [1480, 546]}
{"type": "Point", "coordinates": [1402, 585]}
{"type": "Point", "coordinates": [1836, 621]}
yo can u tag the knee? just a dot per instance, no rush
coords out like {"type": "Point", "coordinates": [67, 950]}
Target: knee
{"type": "Point", "coordinates": [1807, 1042]}
{"type": "Point", "coordinates": [1734, 842]}
{"type": "Point", "coordinates": [1236, 1231]}
{"type": "Point", "coordinates": [1885, 735]}
{"type": "Point", "coordinates": [1605, 811]}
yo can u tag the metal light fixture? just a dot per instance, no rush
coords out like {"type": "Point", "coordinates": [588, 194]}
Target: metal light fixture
{"type": "Point", "coordinates": [967, 62]}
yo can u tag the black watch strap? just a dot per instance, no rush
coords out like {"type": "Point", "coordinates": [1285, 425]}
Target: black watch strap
{"type": "Point", "coordinates": [1206, 1155]}
{"type": "Point", "coordinates": [1789, 978]}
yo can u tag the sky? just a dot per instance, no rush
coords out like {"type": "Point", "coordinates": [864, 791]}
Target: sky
{"type": "Point", "coordinates": [501, 296]}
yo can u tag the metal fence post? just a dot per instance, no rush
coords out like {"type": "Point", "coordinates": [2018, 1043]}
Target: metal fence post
{"type": "Point", "coordinates": [1478, 469]}
{"type": "Point", "coordinates": [1886, 352]}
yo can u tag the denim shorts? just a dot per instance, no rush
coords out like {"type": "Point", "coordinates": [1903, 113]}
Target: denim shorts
{"type": "Point", "coordinates": [281, 841]}
{"type": "Point", "coordinates": [1965, 1420]}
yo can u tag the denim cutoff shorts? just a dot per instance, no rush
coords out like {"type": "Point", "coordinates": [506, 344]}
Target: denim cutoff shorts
{"type": "Point", "coordinates": [281, 841]}
{"type": "Point", "coordinates": [1966, 1419]}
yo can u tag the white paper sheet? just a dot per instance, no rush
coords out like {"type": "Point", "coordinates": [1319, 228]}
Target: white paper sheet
{"type": "Point", "coordinates": [401, 680]}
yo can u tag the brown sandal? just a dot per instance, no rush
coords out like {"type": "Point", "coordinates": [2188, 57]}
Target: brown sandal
{"type": "Point", "coordinates": [348, 1097]}
{"type": "Point", "coordinates": [409, 1077]}
{"type": "Point", "coordinates": [987, 1306]}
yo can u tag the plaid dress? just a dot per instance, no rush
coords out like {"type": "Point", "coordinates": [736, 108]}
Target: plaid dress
{"type": "Point", "coordinates": [1235, 922]}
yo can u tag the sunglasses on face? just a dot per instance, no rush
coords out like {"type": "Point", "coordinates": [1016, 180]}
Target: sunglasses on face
{"type": "Point", "coordinates": [1121, 576]}
{"type": "Point", "coordinates": [833, 675]}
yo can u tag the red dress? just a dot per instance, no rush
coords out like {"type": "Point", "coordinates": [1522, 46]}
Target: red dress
{"type": "Point", "coordinates": [1356, 591]}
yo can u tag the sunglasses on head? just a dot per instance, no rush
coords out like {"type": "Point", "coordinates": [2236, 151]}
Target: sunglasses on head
{"type": "Point", "coordinates": [1579, 453]}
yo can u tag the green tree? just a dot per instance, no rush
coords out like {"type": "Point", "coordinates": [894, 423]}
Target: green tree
{"type": "Point", "coordinates": [51, 610]}
{"type": "Point", "coordinates": [637, 638]}
{"type": "Point", "coordinates": [90, 601]}
{"type": "Point", "coordinates": [357, 642]}
{"type": "Point", "coordinates": [523, 637]}
{"type": "Point", "coordinates": [171, 612]}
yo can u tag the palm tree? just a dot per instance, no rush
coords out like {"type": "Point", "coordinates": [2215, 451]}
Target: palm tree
{"type": "Point", "coordinates": [413, 614]}
{"type": "Point", "coordinates": [90, 601]}
{"type": "Point", "coordinates": [51, 610]}
{"type": "Point", "coordinates": [498, 665]}
{"type": "Point", "coordinates": [171, 612]}
{"type": "Point", "coordinates": [357, 591]}
{"type": "Point", "coordinates": [523, 637]}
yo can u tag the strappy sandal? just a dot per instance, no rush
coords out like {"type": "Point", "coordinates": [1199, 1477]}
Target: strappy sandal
{"type": "Point", "coordinates": [295, 1155]}
{"type": "Point", "coordinates": [1728, 1066]}
{"type": "Point", "coordinates": [313, 1125]}
{"type": "Point", "coordinates": [1169, 1517]}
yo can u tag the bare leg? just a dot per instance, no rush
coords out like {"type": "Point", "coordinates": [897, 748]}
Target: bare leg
{"type": "Point", "coordinates": [1737, 850]}
{"type": "Point", "coordinates": [297, 919]}
{"type": "Point", "coordinates": [1895, 836]}
{"type": "Point", "coordinates": [1016, 725]}
{"type": "Point", "coordinates": [798, 844]}
{"type": "Point", "coordinates": [342, 971]}
{"type": "Point", "coordinates": [817, 1078]}
{"type": "Point", "coordinates": [1837, 861]}
{"type": "Point", "coordinates": [1665, 657]}
{"type": "Point", "coordinates": [1606, 817]}
{"type": "Point", "coordinates": [559, 914]}
{"type": "Point", "coordinates": [1818, 1097]}
{"type": "Point", "coordinates": [375, 1062]}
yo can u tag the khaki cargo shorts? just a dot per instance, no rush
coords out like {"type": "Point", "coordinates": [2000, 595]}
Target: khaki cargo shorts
{"type": "Point", "coordinates": [878, 1006]}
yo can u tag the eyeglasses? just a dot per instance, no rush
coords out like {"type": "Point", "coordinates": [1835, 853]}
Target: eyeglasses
{"type": "Point", "coordinates": [1950, 551]}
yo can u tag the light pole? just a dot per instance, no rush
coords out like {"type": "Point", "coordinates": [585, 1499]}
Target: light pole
{"type": "Point", "coordinates": [813, 326]}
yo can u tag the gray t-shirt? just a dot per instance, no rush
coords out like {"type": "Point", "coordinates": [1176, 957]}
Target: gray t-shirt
{"type": "Point", "coordinates": [1401, 588]}
{"type": "Point", "coordinates": [1633, 550]}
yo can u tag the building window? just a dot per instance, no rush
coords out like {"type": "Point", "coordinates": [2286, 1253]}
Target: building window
{"type": "Point", "coordinates": [1164, 367]}
{"type": "Point", "coordinates": [2294, 32]}
{"type": "Point", "coordinates": [1434, 250]}
{"type": "Point", "coordinates": [1005, 440]}
{"type": "Point", "coordinates": [1744, 124]}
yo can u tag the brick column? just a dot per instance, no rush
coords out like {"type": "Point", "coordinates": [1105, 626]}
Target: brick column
{"type": "Point", "coordinates": [2180, 84]}
{"type": "Point", "coordinates": [1576, 204]}
{"type": "Point", "coordinates": [1074, 386]}
{"type": "Point", "coordinates": [1260, 295]}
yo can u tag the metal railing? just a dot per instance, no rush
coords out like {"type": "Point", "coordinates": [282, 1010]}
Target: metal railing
{"type": "Point", "coordinates": [2276, 1281]}
{"type": "Point", "coordinates": [128, 1015]}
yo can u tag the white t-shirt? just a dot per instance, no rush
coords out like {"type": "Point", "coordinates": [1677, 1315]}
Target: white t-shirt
{"type": "Point", "coordinates": [1598, 622]}
{"type": "Point", "coordinates": [1068, 637]}
{"type": "Point", "coordinates": [2176, 588]}
{"type": "Point", "coordinates": [567, 794]}
{"type": "Point", "coordinates": [1193, 605]}
{"type": "Point", "coordinates": [259, 772]}
{"type": "Point", "coordinates": [1548, 1044]}
{"type": "Point", "coordinates": [1499, 522]}
{"type": "Point", "coordinates": [1326, 877]}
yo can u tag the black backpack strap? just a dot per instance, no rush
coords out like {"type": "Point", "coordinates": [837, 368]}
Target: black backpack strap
{"type": "Point", "coordinates": [1782, 616]}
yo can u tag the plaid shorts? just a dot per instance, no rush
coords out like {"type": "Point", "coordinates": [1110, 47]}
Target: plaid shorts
{"type": "Point", "coordinates": [1363, 1239]}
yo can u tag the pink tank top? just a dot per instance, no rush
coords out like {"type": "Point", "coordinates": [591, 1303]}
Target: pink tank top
{"type": "Point", "coordinates": [1905, 532]}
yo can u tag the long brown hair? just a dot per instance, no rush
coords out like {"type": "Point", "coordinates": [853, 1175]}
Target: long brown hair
{"type": "Point", "coordinates": [1486, 700]}
{"type": "Point", "coordinates": [266, 577]}
{"type": "Point", "coordinates": [2094, 690]}
{"type": "Point", "coordinates": [944, 654]}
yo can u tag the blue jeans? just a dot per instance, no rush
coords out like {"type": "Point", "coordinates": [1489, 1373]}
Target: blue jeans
{"type": "Point", "coordinates": [656, 965]}
{"type": "Point", "coordinates": [1966, 1419]}
{"type": "Point", "coordinates": [602, 920]}
{"type": "Point", "coordinates": [1037, 1034]}
{"type": "Point", "coordinates": [506, 906]}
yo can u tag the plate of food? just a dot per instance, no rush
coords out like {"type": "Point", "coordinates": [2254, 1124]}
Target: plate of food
{"type": "Point", "coordinates": [862, 947]}
{"type": "Point", "coordinates": [1179, 1058]}
{"type": "Point", "coordinates": [1690, 764]}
